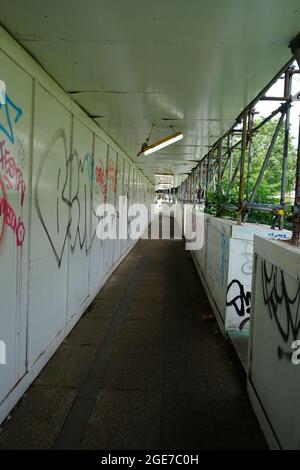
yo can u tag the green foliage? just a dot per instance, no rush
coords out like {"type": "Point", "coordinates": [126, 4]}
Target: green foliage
{"type": "Point", "coordinates": [269, 189]}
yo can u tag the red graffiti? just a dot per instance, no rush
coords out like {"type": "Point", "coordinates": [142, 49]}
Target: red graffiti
{"type": "Point", "coordinates": [12, 175]}
{"type": "Point", "coordinates": [104, 191]}
{"type": "Point", "coordinates": [100, 176]}
{"type": "Point", "coordinates": [3, 195]}
{"type": "Point", "coordinates": [10, 220]}
{"type": "Point", "coordinates": [100, 180]}
{"type": "Point", "coordinates": [112, 176]}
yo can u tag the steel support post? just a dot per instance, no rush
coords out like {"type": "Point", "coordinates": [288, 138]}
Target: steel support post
{"type": "Point", "coordinates": [287, 93]}
{"type": "Point", "coordinates": [233, 177]}
{"type": "Point", "coordinates": [265, 162]}
{"type": "Point", "coordinates": [242, 170]}
{"type": "Point", "coordinates": [219, 166]}
{"type": "Point", "coordinates": [201, 175]}
{"type": "Point", "coordinates": [249, 161]}
{"type": "Point", "coordinates": [229, 144]}
{"type": "Point", "coordinates": [296, 216]}
{"type": "Point", "coordinates": [193, 186]}
{"type": "Point", "coordinates": [207, 179]}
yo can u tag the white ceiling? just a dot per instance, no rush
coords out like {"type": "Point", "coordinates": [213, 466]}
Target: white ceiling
{"type": "Point", "coordinates": [193, 64]}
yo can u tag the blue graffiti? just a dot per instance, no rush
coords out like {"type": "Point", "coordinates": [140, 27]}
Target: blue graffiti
{"type": "Point", "coordinates": [10, 114]}
{"type": "Point", "coordinates": [224, 258]}
{"type": "Point", "coordinates": [282, 236]}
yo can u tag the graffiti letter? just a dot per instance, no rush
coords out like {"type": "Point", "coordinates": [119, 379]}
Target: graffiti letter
{"type": "Point", "coordinates": [296, 353]}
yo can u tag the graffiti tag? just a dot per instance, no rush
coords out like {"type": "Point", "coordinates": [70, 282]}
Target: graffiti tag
{"type": "Point", "coordinates": [241, 300]}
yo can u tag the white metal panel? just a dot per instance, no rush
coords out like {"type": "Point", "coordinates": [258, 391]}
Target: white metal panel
{"type": "Point", "coordinates": [50, 222]}
{"type": "Point", "coordinates": [99, 197]}
{"type": "Point", "coordinates": [124, 243]}
{"type": "Point", "coordinates": [81, 168]}
{"type": "Point", "coordinates": [119, 192]}
{"type": "Point", "coordinates": [134, 188]}
{"type": "Point", "coordinates": [49, 210]}
{"type": "Point", "coordinates": [111, 198]}
{"type": "Point", "coordinates": [138, 188]}
{"type": "Point", "coordinates": [274, 327]}
{"type": "Point", "coordinates": [15, 125]}
{"type": "Point", "coordinates": [130, 197]}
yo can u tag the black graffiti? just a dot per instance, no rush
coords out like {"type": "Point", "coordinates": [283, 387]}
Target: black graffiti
{"type": "Point", "coordinates": [241, 302]}
{"type": "Point", "coordinates": [283, 308]}
{"type": "Point", "coordinates": [74, 188]}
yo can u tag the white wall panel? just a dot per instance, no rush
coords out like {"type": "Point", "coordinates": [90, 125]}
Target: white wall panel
{"type": "Point", "coordinates": [56, 166]}
{"type": "Point", "coordinates": [50, 222]}
{"type": "Point", "coordinates": [124, 243]}
{"type": "Point", "coordinates": [15, 126]}
{"type": "Point", "coordinates": [273, 372]}
{"type": "Point", "coordinates": [99, 197]}
{"type": "Point", "coordinates": [119, 192]}
{"type": "Point", "coordinates": [132, 197]}
{"type": "Point", "coordinates": [81, 168]}
{"type": "Point", "coordinates": [111, 198]}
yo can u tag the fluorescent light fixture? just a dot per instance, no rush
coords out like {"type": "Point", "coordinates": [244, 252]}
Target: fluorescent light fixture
{"type": "Point", "coordinates": [171, 139]}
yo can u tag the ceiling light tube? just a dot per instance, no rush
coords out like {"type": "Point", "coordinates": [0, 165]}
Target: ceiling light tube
{"type": "Point", "coordinates": [171, 139]}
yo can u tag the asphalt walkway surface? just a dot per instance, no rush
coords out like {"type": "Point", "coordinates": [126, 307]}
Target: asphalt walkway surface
{"type": "Point", "coordinates": [141, 369]}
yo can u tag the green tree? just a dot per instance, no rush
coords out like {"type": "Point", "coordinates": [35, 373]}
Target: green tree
{"type": "Point", "coordinates": [269, 189]}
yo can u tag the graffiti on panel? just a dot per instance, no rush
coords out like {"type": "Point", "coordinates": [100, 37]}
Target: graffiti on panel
{"type": "Point", "coordinates": [224, 258]}
{"type": "Point", "coordinates": [21, 155]}
{"type": "Point", "coordinates": [10, 219]}
{"type": "Point", "coordinates": [248, 257]}
{"type": "Point", "coordinates": [283, 307]}
{"type": "Point", "coordinates": [90, 164]}
{"type": "Point", "coordinates": [11, 173]}
{"type": "Point", "coordinates": [10, 114]}
{"type": "Point", "coordinates": [112, 176]}
{"type": "Point", "coordinates": [12, 180]}
{"type": "Point", "coordinates": [100, 178]}
{"type": "Point", "coordinates": [239, 300]}
{"type": "Point", "coordinates": [79, 183]}
{"type": "Point", "coordinates": [279, 235]}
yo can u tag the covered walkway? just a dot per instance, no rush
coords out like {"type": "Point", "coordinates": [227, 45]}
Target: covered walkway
{"type": "Point", "coordinates": [141, 370]}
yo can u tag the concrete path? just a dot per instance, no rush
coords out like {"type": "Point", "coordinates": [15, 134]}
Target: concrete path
{"type": "Point", "coordinates": [141, 369]}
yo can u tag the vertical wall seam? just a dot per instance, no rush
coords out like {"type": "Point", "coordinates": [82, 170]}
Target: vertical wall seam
{"type": "Point", "coordinates": [30, 182]}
